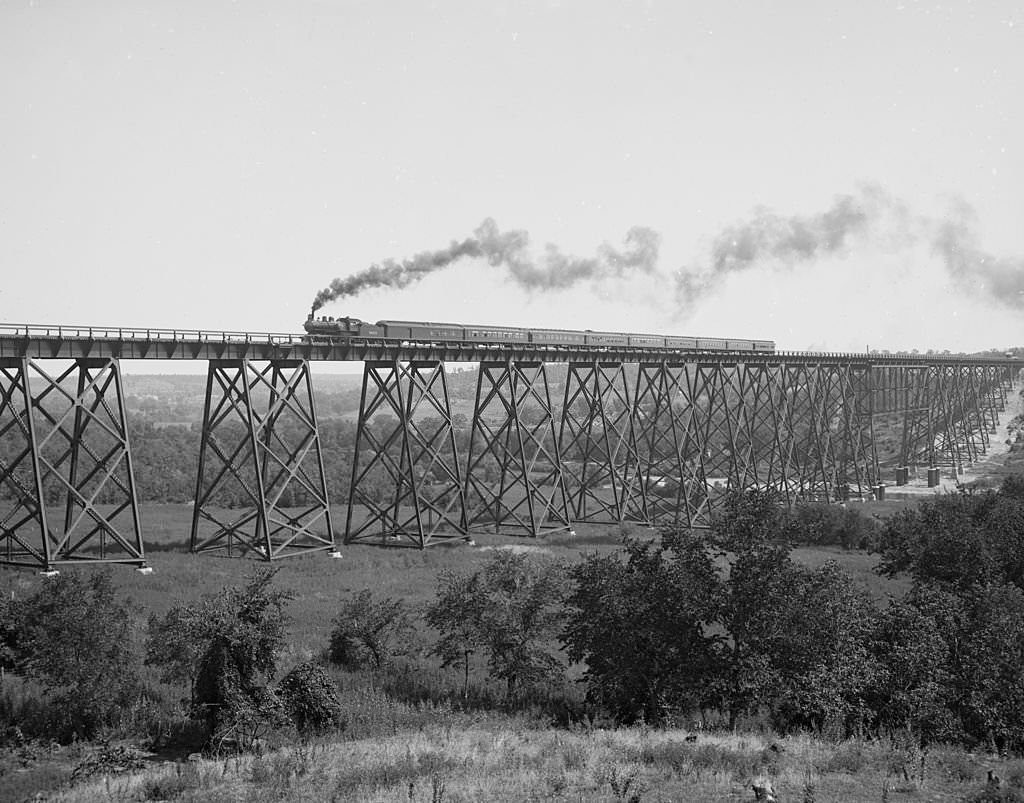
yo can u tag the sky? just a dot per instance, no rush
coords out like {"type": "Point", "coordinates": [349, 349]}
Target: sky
{"type": "Point", "coordinates": [829, 175]}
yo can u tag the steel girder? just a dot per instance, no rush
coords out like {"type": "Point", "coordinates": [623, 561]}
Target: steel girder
{"type": "Point", "coordinates": [405, 471]}
{"type": "Point", "coordinates": [514, 476]}
{"type": "Point", "coordinates": [597, 442]}
{"type": "Point", "coordinates": [65, 447]}
{"type": "Point", "coordinates": [260, 486]}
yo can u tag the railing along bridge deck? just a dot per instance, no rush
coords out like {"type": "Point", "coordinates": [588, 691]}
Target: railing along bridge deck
{"type": "Point", "coordinates": [632, 434]}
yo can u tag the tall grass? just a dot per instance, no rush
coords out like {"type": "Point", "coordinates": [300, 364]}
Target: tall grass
{"type": "Point", "coordinates": [503, 761]}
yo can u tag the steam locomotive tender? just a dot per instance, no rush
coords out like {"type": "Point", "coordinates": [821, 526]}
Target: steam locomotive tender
{"type": "Point", "coordinates": [329, 329]}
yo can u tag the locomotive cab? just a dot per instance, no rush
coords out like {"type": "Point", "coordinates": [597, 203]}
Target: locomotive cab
{"type": "Point", "coordinates": [327, 326]}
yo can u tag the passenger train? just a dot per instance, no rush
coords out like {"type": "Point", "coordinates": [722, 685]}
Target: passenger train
{"type": "Point", "coordinates": [326, 328]}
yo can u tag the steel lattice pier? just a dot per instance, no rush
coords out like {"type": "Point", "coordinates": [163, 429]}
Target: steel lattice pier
{"type": "Point", "coordinates": [406, 484]}
{"type": "Point", "coordinates": [67, 489]}
{"type": "Point", "coordinates": [662, 442]}
{"type": "Point", "coordinates": [608, 438]}
{"type": "Point", "coordinates": [261, 485]}
{"type": "Point", "coordinates": [515, 480]}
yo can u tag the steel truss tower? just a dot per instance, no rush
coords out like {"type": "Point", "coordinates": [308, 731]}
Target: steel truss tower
{"type": "Point", "coordinates": [67, 490]}
{"type": "Point", "coordinates": [514, 479]}
{"type": "Point", "coordinates": [706, 427]}
{"type": "Point", "coordinates": [948, 412]}
{"type": "Point", "coordinates": [405, 471]}
{"type": "Point", "coordinates": [598, 445]}
{"type": "Point", "coordinates": [260, 486]}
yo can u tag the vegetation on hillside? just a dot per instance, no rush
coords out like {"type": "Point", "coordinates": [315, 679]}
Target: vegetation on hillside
{"type": "Point", "coordinates": [727, 632]}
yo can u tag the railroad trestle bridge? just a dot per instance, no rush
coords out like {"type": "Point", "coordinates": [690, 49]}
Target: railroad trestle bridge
{"type": "Point", "coordinates": [557, 435]}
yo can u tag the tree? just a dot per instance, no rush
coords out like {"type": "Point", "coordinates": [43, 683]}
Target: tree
{"type": "Point", "coordinates": [960, 540]}
{"type": "Point", "coordinates": [954, 665]}
{"type": "Point", "coordinates": [511, 609]}
{"type": "Point", "coordinates": [953, 650]}
{"type": "Point", "coordinates": [457, 614]}
{"type": "Point", "coordinates": [748, 520]}
{"type": "Point", "coordinates": [638, 620]}
{"type": "Point", "coordinates": [991, 667]}
{"type": "Point", "coordinates": [789, 640]}
{"type": "Point", "coordinates": [366, 630]}
{"type": "Point", "coordinates": [310, 699]}
{"type": "Point", "coordinates": [754, 629]}
{"type": "Point", "coordinates": [9, 634]}
{"type": "Point", "coordinates": [829, 671]}
{"type": "Point", "coordinates": [227, 644]}
{"type": "Point", "coordinates": [173, 647]}
{"type": "Point", "coordinates": [915, 643]}
{"type": "Point", "coordinates": [74, 636]}
{"type": "Point", "coordinates": [1013, 487]}
{"type": "Point", "coordinates": [830, 524]}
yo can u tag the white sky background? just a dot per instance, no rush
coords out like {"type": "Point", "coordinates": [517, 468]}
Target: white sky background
{"type": "Point", "coordinates": [213, 165]}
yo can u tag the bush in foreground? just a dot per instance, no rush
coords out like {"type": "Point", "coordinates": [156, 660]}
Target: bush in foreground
{"type": "Point", "coordinates": [227, 644]}
{"type": "Point", "coordinates": [73, 636]}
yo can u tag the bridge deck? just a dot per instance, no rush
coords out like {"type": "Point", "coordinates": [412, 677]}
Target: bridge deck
{"type": "Point", "coordinates": [82, 342]}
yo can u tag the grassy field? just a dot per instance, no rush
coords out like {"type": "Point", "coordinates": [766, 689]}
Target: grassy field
{"type": "Point", "coordinates": [424, 744]}
{"type": "Point", "coordinates": [409, 737]}
{"type": "Point", "coordinates": [320, 582]}
{"type": "Point", "coordinates": [458, 762]}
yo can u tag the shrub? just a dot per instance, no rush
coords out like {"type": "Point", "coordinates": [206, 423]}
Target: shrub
{"type": "Point", "coordinates": [639, 626]}
{"type": "Point", "coordinates": [109, 760]}
{"type": "Point", "coordinates": [227, 644]}
{"type": "Point", "coordinates": [830, 525]}
{"type": "Point", "coordinates": [310, 698]}
{"type": "Point", "coordinates": [74, 637]}
{"type": "Point", "coordinates": [850, 756]}
{"type": "Point", "coordinates": [992, 794]}
{"type": "Point", "coordinates": [366, 630]}
{"type": "Point", "coordinates": [511, 610]}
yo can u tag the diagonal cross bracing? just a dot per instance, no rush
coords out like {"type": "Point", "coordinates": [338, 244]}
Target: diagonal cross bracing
{"type": "Point", "coordinates": [947, 412]}
{"type": "Point", "coordinates": [260, 486]}
{"type": "Point", "coordinates": [407, 487]}
{"type": "Point", "coordinates": [706, 427]}
{"type": "Point", "coordinates": [514, 478]}
{"type": "Point", "coordinates": [66, 449]}
{"type": "Point", "coordinates": [597, 443]}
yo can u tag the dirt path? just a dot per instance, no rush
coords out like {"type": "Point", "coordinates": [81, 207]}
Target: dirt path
{"type": "Point", "coordinates": [986, 468]}
{"type": "Point", "coordinates": [999, 444]}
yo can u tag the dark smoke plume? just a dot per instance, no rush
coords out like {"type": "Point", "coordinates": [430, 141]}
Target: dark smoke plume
{"type": "Point", "coordinates": [768, 237]}
{"type": "Point", "coordinates": [980, 273]}
{"type": "Point", "coordinates": [509, 250]}
{"type": "Point", "coordinates": [870, 216]}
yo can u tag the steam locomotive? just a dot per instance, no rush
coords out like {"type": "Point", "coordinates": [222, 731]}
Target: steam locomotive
{"type": "Point", "coordinates": [326, 328]}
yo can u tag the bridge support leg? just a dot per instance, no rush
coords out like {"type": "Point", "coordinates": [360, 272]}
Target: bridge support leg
{"type": "Point", "coordinates": [65, 445]}
{"type": "Point", "coordinates": [260, 486]}
{"type": "Point", "coordinates": [405, 472]}
{"type": "Point", "coordinates": [670, 446]}
{"type": "Point", "coordinates": [514, 478]}
{"type": "Point", "coordinates": [914, 401]}
{"type": "Point", "coordinates": [718, 440]}
{"type": "Point", "coordinates": [852, 428]}
{"type": "Point", "coordinates": [597, 443]}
